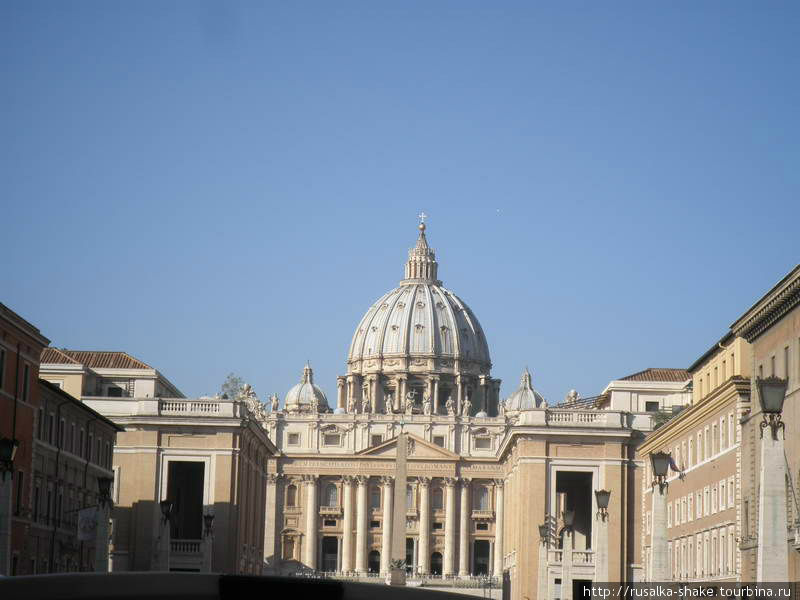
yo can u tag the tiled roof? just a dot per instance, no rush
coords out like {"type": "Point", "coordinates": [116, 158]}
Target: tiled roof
{"type": "Point", "coordinates": [93, 359]}
{"type": "Point", "coordinates": [675, 375]}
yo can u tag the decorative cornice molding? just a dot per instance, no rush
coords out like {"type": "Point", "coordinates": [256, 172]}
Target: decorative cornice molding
{"type": "Point", "coordinates": [767, 311]}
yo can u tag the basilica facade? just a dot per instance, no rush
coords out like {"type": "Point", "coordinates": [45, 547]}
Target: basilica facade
{"type": "Point", "coordinates": [493, 488]}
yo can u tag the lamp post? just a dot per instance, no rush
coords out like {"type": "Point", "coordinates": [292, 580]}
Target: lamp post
{"type": "Point", "coordinates": [101, 539]}
{"type": "Point", "coordinates": [161, 555]}
{"type": "Point", "coordinates": [773, 562]}
{"type": "Point", "coordinates": [659, 559]}
{"type": "Point", "coordinates": [602, 497]}
{"type": "Point", "coordinates": [208, 540]}
{"type": "Point", "coordinates": [8, 448]}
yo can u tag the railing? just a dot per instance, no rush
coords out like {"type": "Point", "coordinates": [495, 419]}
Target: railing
{"type": "Point", "coordinates": [556, 556]}
{"type": "Point", "coordinates": [411, 512]}
{"type": "Point", "coordinates": [189, 406]}
{"type": "Point", "coordinates": [582, 557]}
{"type": "Point", "coordinates": [330, 510]}
{"type": "Point", "coordinates": [483, 514]}
{"type": "Point", "coordinates": [575, 416]}
{"type": "Point", "coordinates": [186, 546]}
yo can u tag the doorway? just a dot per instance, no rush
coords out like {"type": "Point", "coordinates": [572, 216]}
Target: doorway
{"type": "Point", "coordinates": [480, 557]}
{"type": "Point", "coordinates": [330, 554]}
{"type": "Point", "coordinates": [436, 563]}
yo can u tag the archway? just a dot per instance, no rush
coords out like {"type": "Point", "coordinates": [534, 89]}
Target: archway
{"type": "Point", "coordinates": [436, 563]}
{"type": "Point", "coordinates": [374, 562]}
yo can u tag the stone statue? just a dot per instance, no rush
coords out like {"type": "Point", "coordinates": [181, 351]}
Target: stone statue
{"type": "Point", "coordinates": [388, 403]}
{"type": "Point", "coordinates": [466, 408]}
{"type": "Point", "coordinates": [409, 406]}
{"type": "Point", "coordinates": [351, 405]}
{"type": "Point", "coordinates": [572, 396]}
{"type": "Point", "coordinates": [449, 406]}
{"type": "Point", "coordinates": [426, 405]}
{"type": "Point", "coordinates": [411, 397]}
{"type": "Point", "coordinates": [366, 406]}
{"type": "Point", "coordinates": [501, 408]}
{"type": "Point", "coordinates": [273, 400]}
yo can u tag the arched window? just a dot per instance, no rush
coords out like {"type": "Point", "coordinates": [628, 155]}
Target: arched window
{"type": "Point", "coordinates": [438, 500]}
{"type": "Point", "coordinates": [482, 498]}
{"type": "Point", "coordinates": [291, 495]}
{"type": "Point", "coordinates": [331, 497]}
{"type": "Point", "coordinates": [409, 496]}
{"type": "Point", "coordinates": [375, 498]}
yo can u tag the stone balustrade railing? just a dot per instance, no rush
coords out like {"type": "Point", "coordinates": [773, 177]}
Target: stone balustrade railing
{"type": "Point", "coordinates": [185, 546]}
{"type": "Point", "coordinates": [582, 557]}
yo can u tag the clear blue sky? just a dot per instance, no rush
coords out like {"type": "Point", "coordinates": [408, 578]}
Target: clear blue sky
{"type": "Point", "coordinates": [219, 187]}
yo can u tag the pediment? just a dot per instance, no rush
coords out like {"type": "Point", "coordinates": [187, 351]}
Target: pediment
{"type": "Point", "coordinates": [419, 449]}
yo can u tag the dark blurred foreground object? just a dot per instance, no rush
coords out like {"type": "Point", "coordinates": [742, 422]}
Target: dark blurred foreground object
{"type": "Point", "coordinates": [148, 585]}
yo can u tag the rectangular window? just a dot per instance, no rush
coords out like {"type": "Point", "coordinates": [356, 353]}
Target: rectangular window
{"type": "Point", "coordinates": [699, 505]}
{"type": "Point", "coordinates": [690, 507]}
{"type": "Point", "coordinates": [786, 363]}
{"type": "Point", "coordinates": [481, 527]}
{"type": "Point", "coordinates": [61, 427]}
{"type": "Point", "coordinates": [483, 443]}
{"type": "Point", "coordinates": [80, 446]}
{"type": "Point", "coordinates": [51, 427]}
{"type": "Point", "coordinates": [669, 514]}
{"type": "Point", "coordinates": [329, 523]}
{"type": "Point", "coordinates": [26, 376]}
{"type": "Point", "coordinates": [691, 452]}
{"type": "Point", "coordinates": [716, 377]}
{"type": "Point", "coordinates": [746, 519]}
{"type": "Point", "coordinates": [374, 524]}
{"type": "Point", "coordinates": [724, 371]}
{"type": "Point", "coordinates": [731, 426]}
{"type": "Point", "coordinates": [651, 406]}
{"type": "Point", "coordinates": [647, 522]}
{"type": "Point", "coordinates": [332, 439]}
{"type": "Point", "coordinates": [722, 496]}
{"type": "Point", "coordinates": [731, 490]}
{"type": "Point", "coordinates": [706, 444]}
{"type": "Point", "coordinates": [437, 525]}
{"type": "Point", "coordinates": [714, 495]}
{"type": "Point", "coordinates": [706, 501]}
{"type": "Point", "coordinates": [714, 439]}
{"type": "Point", "coordinates": [376, 439]}
{"type": "Point", "coordinates": [438, 440]}
{"type": "Point", "coordinates": [20, 487]}
{"type": "Point", "coordinates": [293, 439]}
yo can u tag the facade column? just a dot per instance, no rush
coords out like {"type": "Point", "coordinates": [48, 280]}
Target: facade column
{"type": "Point", "coordinates": [347, 524]}
{"type": "Point", "coordinates": [772, 563]}
{"type": "Point", "coordinates": [424, 560]}
{"type": "Point", "coordinates": [101, 540]}
{"type": "Point", "coordinates": [566, 566]}
{"type": "Point", "coordinates": [435, 400]}
{"type": "Point", "coordinates": [386, 537]}
{"type": "Point", "coordinates": [463, 538]}
{"type": "Point", "coordinates": [449, 525]}
{"type": "Point", "coordinates": [270, 557]}
{"type": "Point", "coordinates": [459, 393]}
{"type": "Point", "coordinates": [484, 394]}
{"type": "Point", "coordinates": [601, 553]}
{"type": "Point", "coordinates": [311, 520]}
{"type": "Point", "coordinates": [361, 524]}
{"type": "Point", "coordinates": [659, 552]}
{"type": "Point", "coordinates": [341, 386]}
{"type": "Point", "coordinates": [499, 523]}
{"type": "Point", "coordinates": [399, 402]}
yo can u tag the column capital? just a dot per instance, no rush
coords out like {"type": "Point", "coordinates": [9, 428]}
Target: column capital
{"type": "Point", "coordinates": [348, 479]}
{"type": "Point", "coordinates": [499, 483]}
{"type": "Point", "coordinates": [465, 481]}
{"type": "Point", "coordinates": [450, 481]}
{"type": "Point", "coordinates": [424, 481]}
{"type": "Point", "coordinates": [274, 477]}
{"type": "Point", "coordinates": [387, 480]}
{"type": "Point", "coordinates": [309, 479]}
{"type": "Point", "coordinates": [361, 480]}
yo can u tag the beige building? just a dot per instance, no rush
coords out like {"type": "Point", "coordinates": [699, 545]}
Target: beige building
{"type": "Point", "coordinates": [208, 456]}
{"type": "Point", "coordinates": [712, 507]}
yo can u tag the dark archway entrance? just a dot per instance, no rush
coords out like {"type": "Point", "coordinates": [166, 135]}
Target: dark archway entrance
{"type": "Point", "coordinates": [374, 562]}
{"type": "Point", "coordinates": [480, 553]}
{"type": "Point", "coordinates": [330, 553]}
{"type": "Point", "coordinates": [436, 563]}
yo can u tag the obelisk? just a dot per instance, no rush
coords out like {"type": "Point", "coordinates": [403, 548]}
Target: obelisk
{"type": "Point", "coordinates": [398, 576]}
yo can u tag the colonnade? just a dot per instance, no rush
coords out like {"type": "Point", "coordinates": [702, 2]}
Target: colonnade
{"type": "Point", "coordinates": [355, 490]}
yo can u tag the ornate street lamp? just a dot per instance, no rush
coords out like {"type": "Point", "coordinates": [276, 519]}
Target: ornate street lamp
{"type": "Point", "coordinates": [104, 487]}
{"type": "Point", "coordinates": [660, 463]}
{"type": "Point", "coordinates": [771, 394]}
{"type": "Point", "coordinates": [602, 497]}
{"type": "Point", "coordinates": [166, 509]}
{"type": "Point", "coordinates": [544, 532]}
{"type": "Point", "coordinates": [208, 524]}
{"type": "Point", "coordinates": [8, 448]}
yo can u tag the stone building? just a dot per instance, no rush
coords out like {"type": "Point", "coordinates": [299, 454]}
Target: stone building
{"type": "Point", "coordinates": [482, 474]}
{"type": "Point", "coordinates": [207, 456]}
{"type": "Point", "coordinates": [713, 512]}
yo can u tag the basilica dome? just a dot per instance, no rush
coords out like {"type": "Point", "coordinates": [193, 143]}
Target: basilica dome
{"type": "Point", "coordinates": [422, 322]}
{"type": "Point", "coordinates": [305, 396]}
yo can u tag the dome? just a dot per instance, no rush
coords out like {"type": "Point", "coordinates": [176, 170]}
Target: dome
{"type": "Point", "coordinates": [420, 319]}
{"type": "Point", "coordinates": [525, 398]}
{"type": "Point", "coordinates": [305, 396]}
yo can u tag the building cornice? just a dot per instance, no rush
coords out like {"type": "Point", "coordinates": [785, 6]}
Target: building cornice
{"type": "Point", "coordinates": [782, 298]}
{"type": "Point", "coordinates": [732, 389]}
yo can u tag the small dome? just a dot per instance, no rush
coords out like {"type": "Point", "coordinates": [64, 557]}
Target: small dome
{"type": "Point", "coordinates": [525, 398]}
{"type": "Point", "coordinates": [305, 396]}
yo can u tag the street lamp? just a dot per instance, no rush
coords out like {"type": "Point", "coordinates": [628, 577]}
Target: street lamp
{"type": "Point", "coordinates": [660, 463]}
{"type": "Point", "coordinates": [208, 523]}
{"type": "Point", "coordinates": [771, 394]}
{"type": "Point", "coordinates": [104, 487]}
{"type": "Point", "coordinates": [166, 509]}
{"type": "Point", "coordinates": [602, 496]}
{"type": "Point", "coordinates": [544, 532]}
{"type": "Point", "coordinates": [8, 448]}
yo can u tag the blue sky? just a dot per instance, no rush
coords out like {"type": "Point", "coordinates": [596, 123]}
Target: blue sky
{"type": "Point", "coordinates": [219, 187]}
